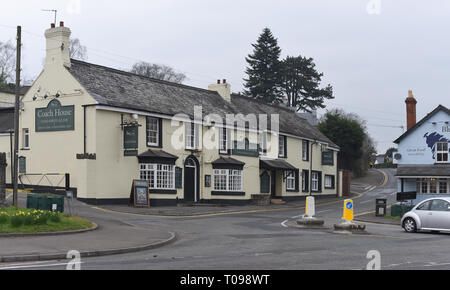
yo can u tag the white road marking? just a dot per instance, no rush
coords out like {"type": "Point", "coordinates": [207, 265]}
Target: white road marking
{"type": "Point", "coordinates": [284, 223]}
{"type": "Point", "coordinates": [37, 266]}
{"type": "Point", "coordinates": [367, 201]}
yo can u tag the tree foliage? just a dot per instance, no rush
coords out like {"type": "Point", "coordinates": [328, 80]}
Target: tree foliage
{"type": "Point", "coordinates": [156, 71]}
{"type": "Point", "coordinates": [301, 84]}
{"type": "Point", "coordinates": [77, 51]}
{"type": "Point", "coordinates": [348, 131]}
{"type": "Point", "coordinates": [264, 69]}
{"type": "Point", "coordinates": [7, 63]}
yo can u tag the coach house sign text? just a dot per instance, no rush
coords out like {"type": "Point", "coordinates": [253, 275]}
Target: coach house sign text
{"type": "Point", "coordinates": [55, 118]}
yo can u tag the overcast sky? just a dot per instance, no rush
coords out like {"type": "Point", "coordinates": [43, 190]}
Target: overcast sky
{"type": "Point", "coordinates": [371, 57]}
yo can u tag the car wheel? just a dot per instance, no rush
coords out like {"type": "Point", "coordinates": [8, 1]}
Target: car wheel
{"type": "Point", "coordinates": [410, 225]}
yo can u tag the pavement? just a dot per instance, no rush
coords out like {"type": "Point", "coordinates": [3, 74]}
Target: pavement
{"type": "Point", "coordinates": [113, 236]}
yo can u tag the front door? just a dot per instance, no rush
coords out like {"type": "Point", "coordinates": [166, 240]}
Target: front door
{"type": "Point", "coordinates": [273, 184]}
{"type": "Point", "coordinates": [190, 180]}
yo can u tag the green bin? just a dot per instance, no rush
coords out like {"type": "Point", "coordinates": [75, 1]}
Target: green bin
{"type": "Point", "coordinates": [32, 201]}
{"type": "Point", "coordinates": [58, 201]}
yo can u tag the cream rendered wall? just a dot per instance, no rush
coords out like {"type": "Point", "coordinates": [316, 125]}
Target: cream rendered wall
{"type": "Point", "coordinates": [5, 147]}
{"type": "Point", "coordinates": [115, 172]}
{"type": "Point", "coordinates": [55, 152]}
{"type": "Point", "coordinates": [294, 154]}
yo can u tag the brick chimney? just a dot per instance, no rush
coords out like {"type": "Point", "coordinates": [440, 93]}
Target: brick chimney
{"type": "Point", "coordinates": [224, 89]}
{"type": "Point", "coordinates": [410, 110]}
{"type": "Point", "coordinates": [58, 44]}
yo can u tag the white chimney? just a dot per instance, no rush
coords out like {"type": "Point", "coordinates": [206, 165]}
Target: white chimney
{"type": "Point", "coordinates": [223, 89]}
{"type": "Point", "coordinates": [58, 45]}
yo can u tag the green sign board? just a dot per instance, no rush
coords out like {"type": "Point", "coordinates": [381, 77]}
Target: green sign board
{"type": "Point", "coordinates": [55, 118]}
{"type": "Point", "coordinates": [130, 137]}
{"type": "Point", "coordinates": [22, 164]}
{"type": "Point", "coordinates": [328, 158]}
{"type": "Point", "coordinates": [245, 149]}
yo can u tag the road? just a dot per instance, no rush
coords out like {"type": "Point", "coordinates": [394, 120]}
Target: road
{"type": "Point", "coordinates": [260, 241]}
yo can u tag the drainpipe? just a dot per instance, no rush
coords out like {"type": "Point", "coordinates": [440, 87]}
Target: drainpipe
{"type": "Point", "coordinates": [310, 168]}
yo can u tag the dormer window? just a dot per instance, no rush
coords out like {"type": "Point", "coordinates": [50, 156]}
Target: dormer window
{"type": "Point", "coordinates": [442, 152]}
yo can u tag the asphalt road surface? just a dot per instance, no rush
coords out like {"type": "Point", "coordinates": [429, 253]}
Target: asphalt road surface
{"type": "Point", "coordinates": [260, 241]}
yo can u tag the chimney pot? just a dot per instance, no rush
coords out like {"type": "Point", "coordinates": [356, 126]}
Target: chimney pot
{"type": "Point", "coordinates": [218, 82]}
{"type": "Point", "coordinates": [224, 81]}
{"type": "Point", "coordinates": [61, 24]}
{"type": "Point", "coordinates": [52, 25]}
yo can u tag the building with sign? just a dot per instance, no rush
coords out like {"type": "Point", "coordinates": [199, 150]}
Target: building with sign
{"type": "Point", "coordinates": [107, 127]}
{"type": "Point", "coordinates": [423, 154]}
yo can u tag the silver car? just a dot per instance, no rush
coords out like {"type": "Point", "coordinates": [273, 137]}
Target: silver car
{"type": "Point", "coordinates": [430, 215]}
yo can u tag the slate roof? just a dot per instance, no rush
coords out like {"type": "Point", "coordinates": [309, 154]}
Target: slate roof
{"type": "Point", "coordinates": [436, 170]}
{"type": "Point", "coordinates": [426, 118]}
{"type": "Point", "coordinates": [6, 120]}
{"type": "Point", "coordinates": [11, 89]}
{"type": "Point", "coordinates": [122, 89]}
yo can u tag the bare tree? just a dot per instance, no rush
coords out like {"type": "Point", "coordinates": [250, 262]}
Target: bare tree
{"type": "Point", "coordinates": [7, 62]}
{"type": "Point", "coordinates": [77, 51]}
{"type": "Point", "coordinates": [156, 71]}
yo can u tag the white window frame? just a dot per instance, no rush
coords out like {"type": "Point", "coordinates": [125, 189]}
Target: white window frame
{"type": "Point", "coordinates": [160, 176]}
{"type": "Point", "coordinates": [425, 185]}
{"type": "Point", "coordinates": [149, 130]}
{"type": "Point", "coordinates": [263, 144]}
{"type": "Point", "coordinates": [191, 133]}
{"type": "Point", "coordinates": [443, 152]}
{"type": "Point", "coordinates": [281, 146]}
{"type": "Point", "coordinates": [230, 180]}
{"type": "Point", "coordinates": [314, 181]}
{"type": "Point", "coordinates": [26, 138]}
{"type": "Point", "coordinates": [291, 181]}
{"type": "Point", "coordinates": [329, 181]}
{"type": "Point", "coordinates": [224, 140]}
{"type": "Point", "coordinates": [305, 145]}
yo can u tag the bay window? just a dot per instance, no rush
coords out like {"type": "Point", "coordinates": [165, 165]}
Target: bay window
{"type": "Point", "coordinates": [227, 180]}
{"type": "Point", "coordinates": [160, 176]}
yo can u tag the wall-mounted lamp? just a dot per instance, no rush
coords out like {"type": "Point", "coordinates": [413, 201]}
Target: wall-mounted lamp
{"type": "Point", "coordinates": [135, 117]}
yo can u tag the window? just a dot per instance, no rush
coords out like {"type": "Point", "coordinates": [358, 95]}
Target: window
{"type": "Point", "coordinates": [291, 181]}
{"type": "Point", "coordinates": [329, 181]}
{"type": "Point", "coordinates": [223, 141]}
{"type": "Point", "coordinates": [263, 143]}
{"type": "Point", "coordinates": [433, 185]}
{"type": "Point", "coordinates": [443, 186]}
{"type": "Point", "coordinates": [439, 205]}
{"type": "Point", "coordinates": [192, 136]}
{"type": "Point", "coordinates": [425, 206]}
{"type": "Point", "coordinates": [305, 180]}
{"type": "Point", "coordinates": [227, 180]}
{"type": "Point", "coordinates": [305, 150]}
{"type": "Point", "coordinates": [315, 181]}
{"type": "Point", "coordinates": [153, 131]}
{"type": "Point", "coordinates": [160, 176]}
{"type": "Point", "coordinates": [26, 138]}
{"type": "Point", "coordinates": [442, 152]}
{"type": "Point", "coordinates": [282, 147]}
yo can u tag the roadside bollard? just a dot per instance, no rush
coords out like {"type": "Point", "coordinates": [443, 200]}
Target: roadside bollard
{"type": "Point", "coordinates": [348, 225]}
{"type": "Point", "coordinates": [309, 220]}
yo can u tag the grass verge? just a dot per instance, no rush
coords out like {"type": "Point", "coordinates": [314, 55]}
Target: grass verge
{"type": "Point", "coordinates": [66, 223]}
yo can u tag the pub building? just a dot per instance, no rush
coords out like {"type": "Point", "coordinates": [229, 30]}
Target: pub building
{"type": "Point", "coordinates": [423, 155]}
{"type": "Point", "coordinates": [107, 127]}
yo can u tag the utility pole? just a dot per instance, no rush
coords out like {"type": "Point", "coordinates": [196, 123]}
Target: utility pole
{"type": "Point", "coordinates": [16, 115]}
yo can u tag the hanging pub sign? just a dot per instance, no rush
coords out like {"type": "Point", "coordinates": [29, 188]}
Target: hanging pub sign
{"type": "Point", "coordinates": [55, 118]}
{"type": "Point", "coordinates": [131, 139]}
{"type": "Point", "coordinates": [140, 196]}
{"type": "Point", "coordinates": [328, 158]}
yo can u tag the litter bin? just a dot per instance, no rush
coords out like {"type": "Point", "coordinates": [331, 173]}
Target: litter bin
{"type": "Point", "coordinates": [381, 207]}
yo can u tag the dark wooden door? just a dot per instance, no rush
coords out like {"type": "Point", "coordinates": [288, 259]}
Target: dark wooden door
{"type": "Point", "coordinates": [273, 190]}
{"type": "Point", "coordinates": [189, 184]}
